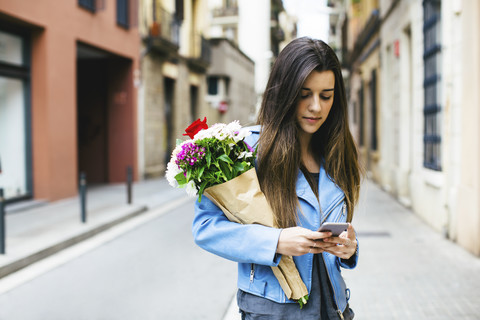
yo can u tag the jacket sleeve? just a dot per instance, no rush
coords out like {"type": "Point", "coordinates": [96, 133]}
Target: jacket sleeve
{"type": "Point", "coordinates": [352, 262]}
{"type": "Point", "coordinates": [252, 243]}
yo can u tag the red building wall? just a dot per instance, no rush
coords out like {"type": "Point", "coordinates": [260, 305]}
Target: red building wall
{"type": "Point", "coordinates": [56, 28]}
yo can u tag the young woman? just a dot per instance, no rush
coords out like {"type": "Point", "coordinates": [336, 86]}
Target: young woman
{"type": "Point", "coordinates": [308, 170]}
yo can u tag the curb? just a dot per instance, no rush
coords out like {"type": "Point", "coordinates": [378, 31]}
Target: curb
{"type": "Point", "coordinates": [29, 259]}
{"type": "Point", "coordinates": [232, 310]}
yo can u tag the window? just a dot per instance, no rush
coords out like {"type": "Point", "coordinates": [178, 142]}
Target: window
{"type": "Point", "coordinates": [193, 102]}
{"type": "Point", "coordinates": [362, 115]}
{"type": "Point", "coordinates": [123, 13]}
{"type": "Point", "coordinates": [431, 85]}
{"type": "Point", "coordinates": [87, 4]}
{"type": "Point", "coordinates": [212, 86]}
{"type": "Point", "coordinates": [179, 10]}
{"type": "Point", "coordinates": [15, 154]}
{"type": "Point", "coordinates": [373, 104]}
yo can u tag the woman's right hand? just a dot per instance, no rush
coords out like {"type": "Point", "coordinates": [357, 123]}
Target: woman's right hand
{"type": "Point", "coordinates": [297, 241]}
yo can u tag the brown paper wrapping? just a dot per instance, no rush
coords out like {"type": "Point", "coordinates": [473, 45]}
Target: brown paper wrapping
{"type": "Point", "coordinates": [242, 201]}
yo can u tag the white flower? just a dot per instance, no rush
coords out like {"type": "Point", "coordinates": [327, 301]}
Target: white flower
{"type": "Point", "coordinates": [202, 134]}
{"type": "Point", "coordinates": [191, 189]}
{"type": "Point", "coordinates": [242, 134]}
{"type": "Point", "coordinates": [245, 155]}
{"type": "Point", "coordinates": [234, 126]}
{"type": "Point", "coordinates": [172, 171]}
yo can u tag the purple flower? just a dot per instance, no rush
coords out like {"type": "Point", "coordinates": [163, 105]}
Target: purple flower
{"type": "Point", "coordinates": [249, 148]}
{"type": "Point", "coordinates": [190, 154]}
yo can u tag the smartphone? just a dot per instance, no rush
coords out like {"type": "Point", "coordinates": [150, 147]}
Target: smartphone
{"type": "Point", "coordinates": [336, 228]}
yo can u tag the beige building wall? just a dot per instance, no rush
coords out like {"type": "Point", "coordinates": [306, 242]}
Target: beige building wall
{"type": "Point", "coordinates": [430, 193]}
{"type": "Point", "coordinates": [173, 72]}
{"type": "Point", "coordinates": [364, 60]}
{"type": "Point", "coordinates": [448, 200]}
{"type": "Point", "coordinates": [468, 195]}
{"type": "Point", "coordinates": [401, 98]}
{"type": "Point", "coordinates": [232, 66]}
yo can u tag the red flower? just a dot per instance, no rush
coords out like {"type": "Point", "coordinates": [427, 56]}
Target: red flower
{"type": "Point", "coordinates": [196, 126]}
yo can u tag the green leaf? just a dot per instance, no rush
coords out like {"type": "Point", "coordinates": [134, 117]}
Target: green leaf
{"type": "Point", "coordinates": [303, 301]}
{"type": "Point", "coordinates": [202, 188]}
{"type": "Point", "coordinates": [225, 158]}
{"type": "Point", "coordinates": [240, 166]}
{"type": "Point", "coordinates": [200, 172]}
{"type": "Point", "coordinates": [209, 159]}
{"type": "Point", "coordinates": [181, 178]}
{"type": "Point", "coordinates": [227, 172]}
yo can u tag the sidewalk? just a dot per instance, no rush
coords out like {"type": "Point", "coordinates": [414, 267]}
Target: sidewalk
{"type": "Point", "coordinates": [40, 231]}
{"type": "Point", "coordinates": [406, 270]}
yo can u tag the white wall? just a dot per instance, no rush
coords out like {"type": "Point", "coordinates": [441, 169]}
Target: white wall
{"type": "Point", "coordinates": [432, 194]}
{"type": "Point", "coordinates": [254, 37]}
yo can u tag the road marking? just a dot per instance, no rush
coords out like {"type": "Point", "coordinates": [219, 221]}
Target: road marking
{"type": "Point", "coordinates": [232, 311]}
{"type": "Point", "coordinates": [62, 257]}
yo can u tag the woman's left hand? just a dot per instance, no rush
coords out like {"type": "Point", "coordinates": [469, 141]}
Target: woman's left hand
{"type": "Point", "coordinates": [344, 246]}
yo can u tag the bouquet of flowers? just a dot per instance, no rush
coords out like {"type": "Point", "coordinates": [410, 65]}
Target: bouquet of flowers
{"type": "Point", "coordinates": [217, 162]}
{"type": "Point", "coordinates": [210, 157]}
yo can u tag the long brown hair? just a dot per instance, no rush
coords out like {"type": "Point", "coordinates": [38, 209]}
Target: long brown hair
{"type": "Point", "coordinates": [279, 156]}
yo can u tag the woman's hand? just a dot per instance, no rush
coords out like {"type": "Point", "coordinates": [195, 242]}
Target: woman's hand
{"type": "Point", "coordinates": [344, 246]}
{"type": "Point", "coordinates": [298, 241]}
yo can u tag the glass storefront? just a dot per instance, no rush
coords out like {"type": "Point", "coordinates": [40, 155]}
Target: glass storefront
{"type": "Point", "coordinates": [15, 167]}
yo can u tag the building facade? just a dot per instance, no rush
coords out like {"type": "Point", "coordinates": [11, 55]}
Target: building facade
{"type": "Point", "coordinates": [68, 103]}
{"type": "Point", "coordinates": [258, 28]}
{"type": "Point", "coordinates": [175, 58]}
{"type": "Point", "coordinates": [231, 78]}
{"type": "Point", "coordinates": [362, 59]}
{"type": "Point", "coordinates": [427, 137]}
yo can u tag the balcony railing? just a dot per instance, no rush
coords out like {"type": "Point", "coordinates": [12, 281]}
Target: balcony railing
{"type": "Point", "coordinates": [225, 12]}
{"type": "Point", "coordinates": [161, 27]}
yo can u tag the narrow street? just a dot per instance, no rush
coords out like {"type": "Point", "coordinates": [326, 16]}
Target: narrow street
{"type": "Point", "coordinates": [153, 270]}
{"type": "Point", "coordinates": [406, 269]}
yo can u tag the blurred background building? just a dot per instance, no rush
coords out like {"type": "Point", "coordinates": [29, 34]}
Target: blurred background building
{"type": "Point", "coordinates": [99, 85]}
{"type": "Point", "coordinates": [174, 59]}
{"type": "Point", "coordinates": [67, 99]}
{"type": "Point", "coordinates": [260, 29]}
{"type": "Point", "coordinates": [414, 72]}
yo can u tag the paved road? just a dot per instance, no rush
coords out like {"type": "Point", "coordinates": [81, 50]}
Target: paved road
{"type": "Point", "coordinates": [406, 270]}
{"type": "Point", "coordinates": [154, 271]}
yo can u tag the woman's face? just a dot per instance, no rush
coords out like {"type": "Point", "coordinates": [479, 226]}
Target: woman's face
{"type": "Point", "coordinates": [316, 100]}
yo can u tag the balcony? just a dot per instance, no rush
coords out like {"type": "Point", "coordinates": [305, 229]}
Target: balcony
{"type": "Point", "coordinates": [225, 16]}
{"type": "Point", "coordinates": [200, 54]}
{"type": "Point", "coordinates": [225, 12]}
{"type": "Point", "coordinates": [161, 30]}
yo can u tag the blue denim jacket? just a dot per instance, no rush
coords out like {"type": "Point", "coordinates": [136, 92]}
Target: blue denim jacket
{"type": "Point", "coordinates": [254, 246]}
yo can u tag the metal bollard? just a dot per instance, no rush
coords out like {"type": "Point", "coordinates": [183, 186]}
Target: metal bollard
{"type": "Point", "coordinates": [83, 196]}
{"type": "Point", "coordinates": [129, 184]}
{"type": "Point", "coordinates": [2, 223]}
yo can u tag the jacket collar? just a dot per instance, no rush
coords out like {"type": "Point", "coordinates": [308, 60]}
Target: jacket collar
{"type": "Point", "coordinates": [329, 192]}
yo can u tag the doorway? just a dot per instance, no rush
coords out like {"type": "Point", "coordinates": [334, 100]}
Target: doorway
{"type": "Point", "coordinates": [169, 87]}
{"type": "Point", "coordinates": [92, 114]}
